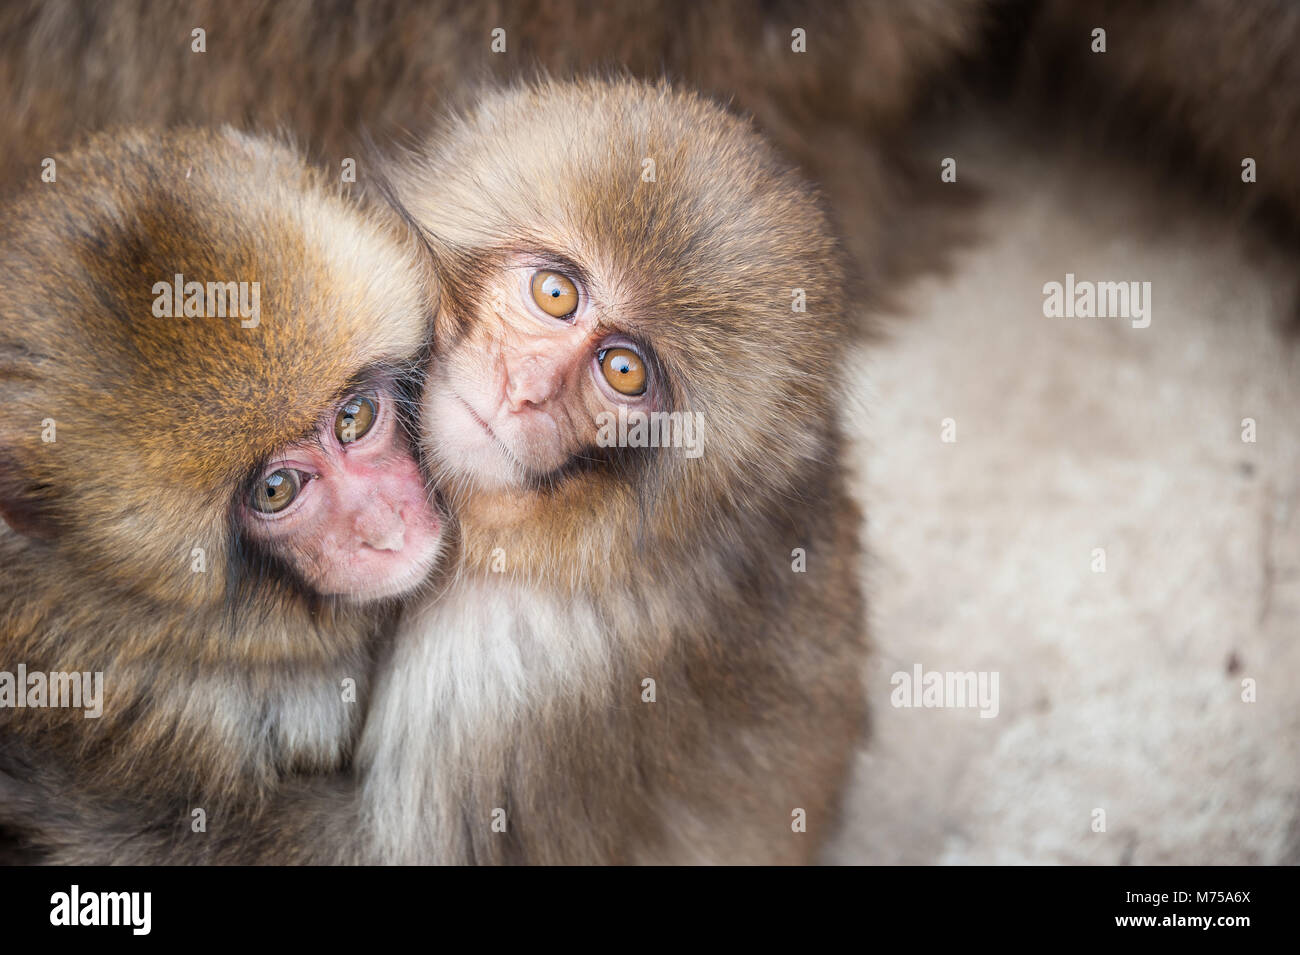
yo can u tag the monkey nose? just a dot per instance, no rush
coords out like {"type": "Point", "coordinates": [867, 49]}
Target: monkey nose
{"type": "Point", "coordinates": [530, 381]}
{"type": "Point", "coordinates": [381, 531]}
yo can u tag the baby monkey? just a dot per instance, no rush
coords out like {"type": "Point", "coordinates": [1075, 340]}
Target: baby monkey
{"type": "Point", "coordinates": [208, 493]}
{"type": "Point", "coordinates": [650, 648]}
{"type": "Point", "coordinates": [647, 644]}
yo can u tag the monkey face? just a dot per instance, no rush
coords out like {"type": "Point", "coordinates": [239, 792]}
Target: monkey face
{"type": "Point", "coordinates": [346, 509]}
{"type": "Point", "coordinates": [265, 445]}
{"type": "Point", "coordinates": [523, 396]}
{"type": "Point", "coordinates": [611, 256]}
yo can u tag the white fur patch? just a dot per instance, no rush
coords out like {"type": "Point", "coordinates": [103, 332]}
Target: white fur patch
{"type": "Point", "coordinates": [467, 670]}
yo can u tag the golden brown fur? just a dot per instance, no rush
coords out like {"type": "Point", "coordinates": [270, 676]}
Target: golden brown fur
{"type": "Point", "coordinates": [670, 553]}
{"type": "Point", "coordinates": [217, 684]}
{"type": "Point", "coordinates": [520, 689]}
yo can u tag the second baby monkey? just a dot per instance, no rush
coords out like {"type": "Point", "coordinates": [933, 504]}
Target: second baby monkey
{"type": "Point", "coordinates": [208, 495]}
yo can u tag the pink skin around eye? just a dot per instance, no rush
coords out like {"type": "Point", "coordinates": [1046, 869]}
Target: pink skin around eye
{"type": "Point", "coordinates": [362, 525]}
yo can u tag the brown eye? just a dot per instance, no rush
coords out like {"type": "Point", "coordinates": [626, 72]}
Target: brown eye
{"type": "Point", "coordinates": [555, 294]}
{"type": "Point", "coordinates": [354, 419]}
{"type": "Point", "coordinates": [276, 491]}
{"type": "Point", "coordinates": [624, 370]}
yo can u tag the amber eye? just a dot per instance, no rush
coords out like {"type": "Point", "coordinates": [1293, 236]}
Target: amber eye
{"type": "Point", "coordinates": [354, 419]}
{"type": "Point", "coordinates": [624, 370]}
{"type": "Point", "coordinates": [554, 294]}
{"type": "Point", "coordinates": [276, 491]}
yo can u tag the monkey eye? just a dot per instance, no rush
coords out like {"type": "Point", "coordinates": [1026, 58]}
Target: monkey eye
{"type": "Point", "coordinates": [624, 369]}
{"type": "Point", "coordinates": [276, 491]}
{"type": "Point", "coordinates": [554, 293]}
{"type": "Point", "coordinates": [355, 418]}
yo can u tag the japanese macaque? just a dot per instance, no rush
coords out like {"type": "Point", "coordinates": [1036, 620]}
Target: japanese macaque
{"type": "Point", "coordinates": [209, 498]}
{"type": "Point", "coordinates": [834, 84]}
{"type": "Point", "coordinates": [649, 649]}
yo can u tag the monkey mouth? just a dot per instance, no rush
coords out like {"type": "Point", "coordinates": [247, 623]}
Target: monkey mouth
{"type": "Point", "coordinates": [525, 476]}
{"type": "Point", "coordinates": [478, 419]}
{"type": "Point", "coordinates": [492, 435]}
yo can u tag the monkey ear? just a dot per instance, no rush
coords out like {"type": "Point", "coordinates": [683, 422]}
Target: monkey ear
{"type": "Point", "coordinates": [25, 504]}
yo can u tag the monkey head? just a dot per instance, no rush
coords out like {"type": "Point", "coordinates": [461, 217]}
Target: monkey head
{"type": "Point", "coordinates": [203, 351]}
{"type": "Point", "coordinates": [619, 260]}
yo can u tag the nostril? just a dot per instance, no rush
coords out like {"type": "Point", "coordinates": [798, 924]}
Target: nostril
{"type": "Point", "coordinates": [521, 393]}
{"type": "Point", "coordinates": [386, 532]}
{"type": "Point", "coordinates": [530, 381]}
{"type": "Point", "coordinates": [516, 394]}
{"type": "Point", "coordinates": [392, 541]}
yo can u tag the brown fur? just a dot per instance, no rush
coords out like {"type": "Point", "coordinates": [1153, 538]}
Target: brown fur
{"type": "Point", "coordinates": [328, 71]}
{"type": "Point", "coordinates": [1185, 85]}
{"type": "Point", "coordinates": [216, 684]}
{"type": "Point", "coordinates": [684, 564]}
{"type": "Point", "coordinates": [323, 69]}
{"type": "Point", "coordinates": [679, 569]}
{"type": "Point", "coordinates": [386, 67]}
{"type": "Point", "coordinates": [676, 569]}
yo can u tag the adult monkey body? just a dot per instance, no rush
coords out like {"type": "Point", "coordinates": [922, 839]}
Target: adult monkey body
{"type": "Point", "coordinates": [1212, 81]}
{"type": "Point", "coordinates": [326, 72]}
{"type": "Point", "coordinates": [207, 508]}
